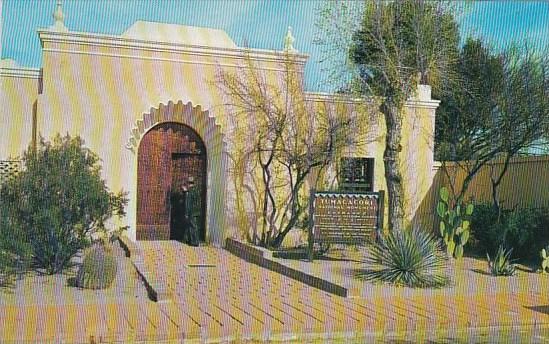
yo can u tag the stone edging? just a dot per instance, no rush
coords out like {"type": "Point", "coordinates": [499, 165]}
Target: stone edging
{"type": "Point", "coordinates": [157, 290]}
{"type": "Point", "coordinates": [263, 258]}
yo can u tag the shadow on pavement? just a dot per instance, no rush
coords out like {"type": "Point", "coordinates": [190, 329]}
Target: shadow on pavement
{"type": "Point", "coordinates": [482, 272]}
{"type": "Point", "coordinates": [541, 309]}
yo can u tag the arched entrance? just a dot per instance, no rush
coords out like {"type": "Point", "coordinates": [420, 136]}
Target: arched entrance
{"type": "Point", "coordinates": [169, 156]}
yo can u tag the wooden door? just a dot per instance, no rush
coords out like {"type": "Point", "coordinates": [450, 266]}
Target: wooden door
{"type": "Point", "coordinates": [168, 154]}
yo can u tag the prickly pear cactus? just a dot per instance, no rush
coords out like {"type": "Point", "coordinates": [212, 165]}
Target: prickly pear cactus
{"type": "Point", "coordinates": [98, 268]}
{"type": "Point", "coordinates": [454, 223]}
{"type": "Point", "coordinates": [544, 254]}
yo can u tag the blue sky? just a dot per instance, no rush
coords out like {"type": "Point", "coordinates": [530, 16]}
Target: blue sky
{"type": "Point", "coordinates": [262, 24]}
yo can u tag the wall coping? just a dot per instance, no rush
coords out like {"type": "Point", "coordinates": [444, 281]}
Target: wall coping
{"type": "Point", "coordinates": [515, 160]}
{"type": "Point", "coordinates": [426, 104]}
{"type": "Point", "coordinates": [349, 99]}
{"type": "Point", "coordinates": [338, 98]}
{"type": "Point", "coordinates": [20, 72]}
{"type": "Point", "coordinates": [114, 41]}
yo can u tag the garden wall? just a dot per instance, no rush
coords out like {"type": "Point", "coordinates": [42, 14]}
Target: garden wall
{"type": "Point", "coordinates": [525, 185]}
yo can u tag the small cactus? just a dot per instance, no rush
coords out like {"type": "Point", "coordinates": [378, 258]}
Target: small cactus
{"type": "Point", "coordinates": [454, 224]}
{"type": "Point", "coordinates": [98, 268]}
{"type": "Point", "coordinates": [544, 259]}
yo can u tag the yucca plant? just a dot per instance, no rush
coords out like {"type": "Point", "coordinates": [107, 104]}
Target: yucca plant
{"type": "Point", "coordinates": [502, 265]}
{"type": "Point", "coordinates": [407, 258]}
{"type": "Point", "coordinates": [98, 268]}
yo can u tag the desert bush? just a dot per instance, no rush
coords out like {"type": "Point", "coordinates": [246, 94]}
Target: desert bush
{"type": "Point", "coordinates": [14, 248]}
{"type": "Point", "coordinates": [544, 263]}
{"type": "Point", "coordinates": [14, 256]}
{"type": "Point", "coordinates": [525, 230]}
{"type": "Point", "coordinates": [98, 268]}
{"type": "Point", "coordinates": [502, 265]}
{"type": "Point", "coordinates": [408, 258]}
{"type": "Point", "coordinates": [59, 200]}
{"type": "Point", "coordinates": [486, 230]}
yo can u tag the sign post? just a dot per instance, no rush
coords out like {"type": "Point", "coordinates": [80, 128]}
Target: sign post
{"type": "Point", "coordinates": [344, 217]}
{"type": "Point", "coordinates": [311, 224]}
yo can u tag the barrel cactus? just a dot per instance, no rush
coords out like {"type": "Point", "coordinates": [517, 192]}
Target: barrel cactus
{"type": "Point", "coordinates": [454, 223]}
{"type": "Point", "coordinates": [98, 268]}
{"type": "Point", "coordinates": [544, 254]}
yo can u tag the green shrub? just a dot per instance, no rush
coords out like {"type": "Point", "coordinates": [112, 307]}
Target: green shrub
{"type": "Point", "coordinates": [98, 268]}
{"type": "Point", "coordinates": [15, 251]}
{"type": "Point", "coordinates": [525, 230]}
{"type": "Point", "coordinates": [59, 200]}
{"type": "Point", "coordinates": [14, 256]}
{"type": "Point", "coordinates": [488, 234]}
{"type": "Point", "coordinates": [544, 255]}
{"type": "Point", "coordinates": [502, 264]}
{"type": "Point", "coordinates": [407, 258]}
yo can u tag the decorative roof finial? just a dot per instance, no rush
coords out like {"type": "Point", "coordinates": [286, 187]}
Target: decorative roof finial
{"type": "Point", "coordinates": [289, 41]}
{"type": "Point", "coordinates": [59, 18]}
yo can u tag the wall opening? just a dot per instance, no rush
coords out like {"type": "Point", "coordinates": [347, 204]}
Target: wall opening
{"type": "Point", "coordinates": [170, 155]}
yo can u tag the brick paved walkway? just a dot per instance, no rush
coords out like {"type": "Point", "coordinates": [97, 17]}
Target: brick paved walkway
{"type": "Point", "coordinates": [216, 294]}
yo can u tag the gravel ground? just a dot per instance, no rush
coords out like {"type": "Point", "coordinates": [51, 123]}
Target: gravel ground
{"type": "Point", "coordinates": [469, 276]}
{"type": "Point", "coordinates": [34, 288]}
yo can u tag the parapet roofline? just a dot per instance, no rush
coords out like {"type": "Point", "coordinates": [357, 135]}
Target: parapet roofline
{"type": "Point", "coordinates": [353, 99]}
{"type": "Point", "coordinates": [10, 68]}
{"type": "Point", "coordinates": [120, 41]}
{"type": "Point", "coordinates": [182, 34]}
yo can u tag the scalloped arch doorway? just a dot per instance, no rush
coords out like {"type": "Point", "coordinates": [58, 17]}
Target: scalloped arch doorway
{"type": "Point", "coordinates": [171, 143]}
{"type": "Point", "coordinates": [169, 156]}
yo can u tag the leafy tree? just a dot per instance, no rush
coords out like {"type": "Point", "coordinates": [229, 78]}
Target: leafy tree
{"type": "Point", "coordinates": [58, 201]}
{"type": "Point", "coordinates": [499, 109]}
{"type": "Point", "coordinates": [398, 45]}
{"type": "Point", "coordinates": [284, 144]}
{"type": "Point", "coordinates": [466, 106]}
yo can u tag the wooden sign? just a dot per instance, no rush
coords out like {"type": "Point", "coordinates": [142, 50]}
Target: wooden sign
{"type": "Point", "coordinates": [356, 175]}
{"type": "Point", "coordinates": [344, 217]}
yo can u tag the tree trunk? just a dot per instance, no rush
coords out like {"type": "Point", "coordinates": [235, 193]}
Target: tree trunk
{"type": "Point", "coordinates": [391, 159]}
{"type": "Point", "coordinates": [295, 211]}
{"type": "Point", "coordinates": [496, 182]}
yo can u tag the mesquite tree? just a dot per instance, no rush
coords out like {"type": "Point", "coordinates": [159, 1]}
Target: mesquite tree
{"type": "Point", "coordinates": [395, 46]}
{"type": "Point", "coordinates": [499, 109]}
{"type": "Point", "coordinates": [283, 142]}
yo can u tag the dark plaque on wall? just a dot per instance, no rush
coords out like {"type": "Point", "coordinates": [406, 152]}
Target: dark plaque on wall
{"type": "Point", "coordinates": [344, 217]}
{"type": "Point", "coordinates": [356, 174]}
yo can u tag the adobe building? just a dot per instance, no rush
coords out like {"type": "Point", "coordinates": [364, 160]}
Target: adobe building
{"type": "Point", "coordinates": [145, 101]}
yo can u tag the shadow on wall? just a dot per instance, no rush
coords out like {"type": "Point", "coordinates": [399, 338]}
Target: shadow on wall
{"type": "Point", "coordinates": [520, 187]}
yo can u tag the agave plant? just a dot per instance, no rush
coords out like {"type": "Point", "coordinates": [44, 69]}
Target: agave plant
{"type": "Point", "coordinates": [407, 258]}
{"type": "Point", "coordinates": [502, 265]}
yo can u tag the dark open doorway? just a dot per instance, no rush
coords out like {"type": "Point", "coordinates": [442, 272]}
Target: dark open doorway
{"type": "Point", "coordinates": [186, 167]}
